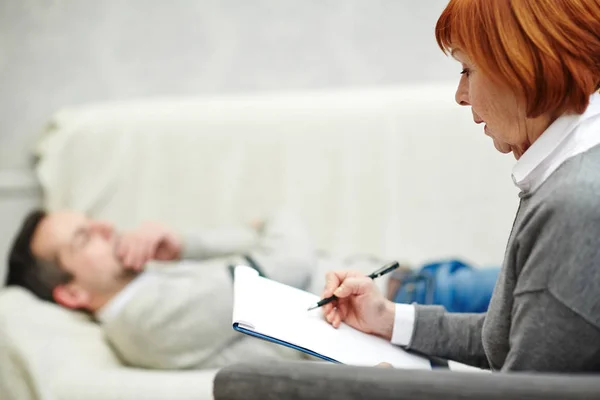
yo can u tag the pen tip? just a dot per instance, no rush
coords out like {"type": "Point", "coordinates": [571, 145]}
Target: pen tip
{"type": "Point", "coordinates": [311, 308]}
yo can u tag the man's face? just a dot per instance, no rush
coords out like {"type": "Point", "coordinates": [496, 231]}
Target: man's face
{"type": "Point", "coordinates": [84, 248]}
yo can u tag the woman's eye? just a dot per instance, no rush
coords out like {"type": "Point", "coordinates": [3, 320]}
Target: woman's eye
{"type": "Point", "coordinates": [466, 72]}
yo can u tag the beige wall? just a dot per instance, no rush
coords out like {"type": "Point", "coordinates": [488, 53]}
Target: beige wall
{"type": "Point", "coordinates": [60, 52]}
{"type": "Point", "coordinates": [55, 53]}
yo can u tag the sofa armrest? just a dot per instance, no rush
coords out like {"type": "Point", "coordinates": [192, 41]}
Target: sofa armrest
{"type": "Point", "coordinates": [310, 380]}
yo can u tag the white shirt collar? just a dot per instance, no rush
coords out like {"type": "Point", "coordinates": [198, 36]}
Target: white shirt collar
{"type": "Point", "coordinates": [564, 138]}
{"type": "Point", "coordinates": [114, 305]}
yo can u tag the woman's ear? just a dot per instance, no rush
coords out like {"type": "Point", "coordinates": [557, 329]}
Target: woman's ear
{"type": "Point", "coordinates": [71, 296]}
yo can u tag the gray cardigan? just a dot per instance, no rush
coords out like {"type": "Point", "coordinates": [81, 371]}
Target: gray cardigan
{"type": "Point", "coordinates": [545, 311]}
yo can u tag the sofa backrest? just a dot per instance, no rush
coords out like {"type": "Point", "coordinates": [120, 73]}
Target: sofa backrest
{"type": "Point", "coordinates": [396, 172]}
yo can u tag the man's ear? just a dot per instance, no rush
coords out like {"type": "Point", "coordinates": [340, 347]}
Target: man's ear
{"type": "Point", "coordinates": [71, 296]}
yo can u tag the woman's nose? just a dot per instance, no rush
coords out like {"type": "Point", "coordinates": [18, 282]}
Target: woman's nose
{"type": "Point", "coordinates": [462, 93]}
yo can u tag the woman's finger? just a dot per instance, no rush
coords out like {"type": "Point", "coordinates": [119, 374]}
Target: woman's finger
{"type": "Point", "coordinates": [329, 306]}
{"type": "Point", "coordinates": [353, 286]}
{"type": "Point", "coordinates": [329, 316]}
{"type": "Point", "coordinates": [332, 282]}
{"type": "Point", "coordinates": [337, 319]}
{"type": "Point", "coordinates": [343, 310]}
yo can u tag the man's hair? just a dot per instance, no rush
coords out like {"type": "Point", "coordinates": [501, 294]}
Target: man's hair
{"type": "Point", "coordinates": [25, 270]}
{"type": "Point", "coordinates": [546, 51]}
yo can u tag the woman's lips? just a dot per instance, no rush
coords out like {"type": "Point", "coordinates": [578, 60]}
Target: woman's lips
{"type": "Point", "coordinates": [485, 128]}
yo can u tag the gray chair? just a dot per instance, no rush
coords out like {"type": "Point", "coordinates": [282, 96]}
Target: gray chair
{"type": "Point", "coordinates": [310, 380]}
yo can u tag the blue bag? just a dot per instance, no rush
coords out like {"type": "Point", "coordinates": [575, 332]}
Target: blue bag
{"type": "Point", "coordinates": [453, 284]}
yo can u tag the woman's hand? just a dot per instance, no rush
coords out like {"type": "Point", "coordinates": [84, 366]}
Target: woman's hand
{"type": "Point", "coordinates": [384, 365]}
{"type": "Point", "coordinates": [360, 304]}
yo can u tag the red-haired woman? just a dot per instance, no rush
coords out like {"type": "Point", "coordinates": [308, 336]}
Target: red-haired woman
{"type": "Point", "coordinates": [530, 73]}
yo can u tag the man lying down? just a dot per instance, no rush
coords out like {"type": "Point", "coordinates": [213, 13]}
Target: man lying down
{"type": "Point", "coordinates": [163, 300]}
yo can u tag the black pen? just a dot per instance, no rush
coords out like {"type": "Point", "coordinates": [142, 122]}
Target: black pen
{"type": "Point", "coordinates": [380, 272]}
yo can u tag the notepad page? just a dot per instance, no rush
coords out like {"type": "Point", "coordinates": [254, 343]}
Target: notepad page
{"type": "Point", "coordinates": [280, 311]}
{"type": "Point", "coordinates": [243, 295]}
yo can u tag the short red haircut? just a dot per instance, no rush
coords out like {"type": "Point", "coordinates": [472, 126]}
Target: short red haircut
{"type": "Point", "coordinates": [545, 50]}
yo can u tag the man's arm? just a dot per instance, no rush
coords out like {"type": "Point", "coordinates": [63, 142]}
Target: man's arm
{"type": "Point", "coordinates": [218, 243]}
{"type": "Point", "coordinates": [151, 241]}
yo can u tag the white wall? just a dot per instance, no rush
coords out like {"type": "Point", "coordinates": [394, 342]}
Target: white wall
{"type": "Point", "coordinates": [62, 52]}
{"type": "Point", "coordinates": [58, 52]}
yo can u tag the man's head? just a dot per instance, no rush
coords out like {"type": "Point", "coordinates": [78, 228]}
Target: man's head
{"type": "Point", "coordinates": [67, 258]}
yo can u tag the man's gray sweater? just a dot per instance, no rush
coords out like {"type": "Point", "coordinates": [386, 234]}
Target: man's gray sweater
{"type": "Point", "coordinates": [545, 311]}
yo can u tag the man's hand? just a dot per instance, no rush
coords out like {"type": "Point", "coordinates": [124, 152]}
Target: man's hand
{"type": "Point", "coordinates": [148, 242]}
{"type": "Point", "coordinates": [360, 304]}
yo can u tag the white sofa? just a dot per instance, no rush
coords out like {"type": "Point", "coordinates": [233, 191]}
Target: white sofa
{"type": "Point", "coordinates": [395, 172]}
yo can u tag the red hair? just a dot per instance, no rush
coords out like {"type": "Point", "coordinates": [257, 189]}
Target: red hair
{"type": "Point", "coordinates": [548, 51]}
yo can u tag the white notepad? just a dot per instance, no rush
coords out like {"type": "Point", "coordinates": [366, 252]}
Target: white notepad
{"type": "Point", "coordinates": [276, 312]}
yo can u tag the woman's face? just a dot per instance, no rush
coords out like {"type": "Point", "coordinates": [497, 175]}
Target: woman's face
{"type": "Point", "coordinates": [499, 108]}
